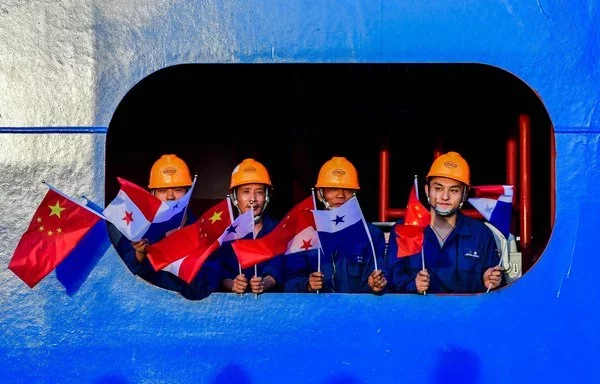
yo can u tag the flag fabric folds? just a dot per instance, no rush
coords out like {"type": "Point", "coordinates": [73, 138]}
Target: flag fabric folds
{"type": "Point", "coordinates": [494, 202]}
{"type": "Point", "coordinates": [409, 236]}
{"type": "Point", "coordinates": [187, 267]}
{"type": "Point", "coordinates": [134, 210]}
{"type": "Point", "coordinates": [75, 269]}
{"type": "Point", "coordinates": [184, 251]}
{"type": "Point", "coordinates": [409, 239]}
{"type": "Point", "coordinates": [173, 219]}
{"type": "Point", "coordinates": [200, 234]}
{"type": "Point", "coordinates": [341, 226]}
{"type": "Point", "coordinates": [58, 225]}
{"type": "Point", "coordinates": [416, 213]}
{"type": "Point", "coordinates": [240, 228]}
{"type": "Point", "coordinates": [295, 233]}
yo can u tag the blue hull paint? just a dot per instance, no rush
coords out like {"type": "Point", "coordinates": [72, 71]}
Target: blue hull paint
{"type": "Point", "coordinates": [542, 328]}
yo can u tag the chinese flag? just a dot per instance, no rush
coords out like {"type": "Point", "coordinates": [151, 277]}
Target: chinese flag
{"type": "Point", "coordinates": [191, 239]}
{"type": "Point", "coordinates": [409, 236]}
{"type": "Point", "coordinates": [57, 226]}
{"type": "Point", "coordinates": [409, 239]}
{"type": "Point", "coordinates": [416, 213]}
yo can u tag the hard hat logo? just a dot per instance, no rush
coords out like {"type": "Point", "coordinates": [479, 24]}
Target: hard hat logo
{"type": "Point", "coordinates": [169, 171]}
{"type": "Point", "coordinates": [249, 169]}
{"type": "Point", "coordinates": [450, 164]}
{"type": "Point", "coordinates": [338, 172]}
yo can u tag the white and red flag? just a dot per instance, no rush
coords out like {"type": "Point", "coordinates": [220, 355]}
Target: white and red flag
{"type": "Point", "coordinates": [295, 233]}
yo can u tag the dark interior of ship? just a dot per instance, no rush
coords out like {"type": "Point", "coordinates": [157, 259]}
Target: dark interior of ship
{"type": "Point", "coordinates": [294, 117]}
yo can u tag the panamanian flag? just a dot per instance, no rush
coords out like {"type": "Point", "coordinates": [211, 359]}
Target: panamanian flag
{"type": "Point", "coordinates": [134, 211]}
{"type": "Point", "coordinates": [340, 227]}
{"type": "Point", "coordinates": [494, 202]}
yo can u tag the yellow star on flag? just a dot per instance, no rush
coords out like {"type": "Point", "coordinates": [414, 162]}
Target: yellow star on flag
{"type": "Point", "coordinates": [56, 209]}
{"type": "Point", "coordinates": [215, 217]}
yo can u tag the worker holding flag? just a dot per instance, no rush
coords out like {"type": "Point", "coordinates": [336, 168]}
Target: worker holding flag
{"type": "Point", "coordinates": [170, 182]}
{"type": "Point", "coordinates": [352, 249]}
{"type": "Point", "coordinates": [457, 253]}
{"type": "Point", "coordinates": [250, 189]}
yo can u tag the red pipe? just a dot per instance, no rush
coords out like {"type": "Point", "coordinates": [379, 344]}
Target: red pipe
{"type": "Point", "coordinates": [511, 166]}
{"type": "Point", "coordinates": [401, 212]}
{"type": "Point", "coordinates": [384, 183]}
{"type": "Point", "coordinates": [395, 212]}
{"type": "Point", "coordinates": [525, 183]}
{"type": "Point", "coordinates": [511, 163]}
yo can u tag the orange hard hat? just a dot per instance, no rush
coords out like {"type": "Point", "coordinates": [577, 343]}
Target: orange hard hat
{"type": "Point", "coordinates": [249, 171]}
{"type": "Point", "coordinates": [338, 173]}
{"type": "Point", "coordinates": [451, 165]}
{"type": "Point", "coordinates": [169, 172]}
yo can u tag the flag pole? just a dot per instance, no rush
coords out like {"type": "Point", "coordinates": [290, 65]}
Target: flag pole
{"type": "Point", "coordinates": [416, 186]}
{"type": "Point", "coordinates": [183, 218]}
{"type": "Point", "coordinates": [254, 238]}
{"type": "Point", "coordinates": [72, 199]}
{"type": "Point", "coordinates": [312, 191]}
{"type": "Point", "coordinates": [91, 204]}
{"type": "Point", "coordinates": [230, 209]}
{"type": "Point", "coordinates": [362, 218]}
{"type": "Point", "coordinates": [499, 263]}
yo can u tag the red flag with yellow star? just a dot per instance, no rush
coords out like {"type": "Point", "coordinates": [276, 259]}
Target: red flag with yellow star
{"type": "Point", "coordinates": [57, 226]}
{"type": "Point", "coordinates": [416, 213]}
{"type": "Point", "coordinates": [198, 238]}
{"type": "Point", "coordinates": [409, 236]}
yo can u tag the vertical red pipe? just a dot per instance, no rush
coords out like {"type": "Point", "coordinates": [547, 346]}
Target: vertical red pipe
{"type": "Point", "coordinates": [511, 163]}
{"type": "Point", "coordinates": [552, 176]}
{"type": "Point", "coordinates": [384, 183]}
{"type": "Point", "coordinates": [511, 167]}
{"type": "Point", "coordinates": [525, 184]}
